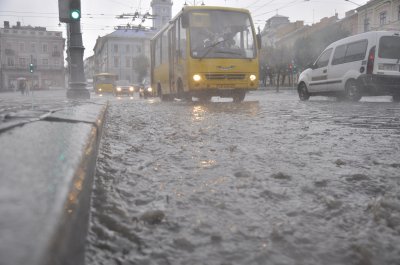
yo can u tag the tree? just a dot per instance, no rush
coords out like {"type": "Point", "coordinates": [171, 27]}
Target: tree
{"type": "Point", "coordinates": [308, 48]}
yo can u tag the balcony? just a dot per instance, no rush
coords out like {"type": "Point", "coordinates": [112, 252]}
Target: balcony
{"type": "Point", "coordinates": [37, 67]}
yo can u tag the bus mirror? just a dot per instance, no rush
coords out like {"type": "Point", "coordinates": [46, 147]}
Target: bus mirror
{"type": "Point", "coordinates": [259, 43]}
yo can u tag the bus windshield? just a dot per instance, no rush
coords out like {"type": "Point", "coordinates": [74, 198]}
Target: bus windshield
{"type": "Point", "coordinates": [221, 34]}
{"type": "Point", "coordinates": [105, 79]}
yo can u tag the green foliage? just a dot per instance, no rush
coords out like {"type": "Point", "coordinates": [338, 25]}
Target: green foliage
{"type": "Point", "coordinates": [307, 49]}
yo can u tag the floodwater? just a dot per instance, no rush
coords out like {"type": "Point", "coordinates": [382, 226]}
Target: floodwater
{"type": "Point", "coordinates": [269, 181]}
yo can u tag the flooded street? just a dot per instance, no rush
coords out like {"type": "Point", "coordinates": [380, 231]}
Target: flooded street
{"type": "Point", "coordinates": [272, 180]}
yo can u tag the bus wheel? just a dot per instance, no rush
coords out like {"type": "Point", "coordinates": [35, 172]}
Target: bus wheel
{"type": "Point", "coordinates": [204, 98]}
{"type": "Point", "coordinates": [238, 96]}
{"type": "Point", "coordinates": [352, 90]}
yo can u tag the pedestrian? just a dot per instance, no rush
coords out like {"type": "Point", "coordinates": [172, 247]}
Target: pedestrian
{"type": "Point", "coordinates": [21, 86]}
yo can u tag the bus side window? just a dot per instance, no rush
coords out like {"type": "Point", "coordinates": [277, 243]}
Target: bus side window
{"type": "Point", "coordinates": [182, 36]}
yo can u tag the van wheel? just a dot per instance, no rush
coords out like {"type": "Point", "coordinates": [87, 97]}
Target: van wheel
{"type": "Point", "coordinates": [352, 90]}
{"type": "Point", "coordinates": [303, 92]}
{"type": "Point", "coordinates": [396, 98]}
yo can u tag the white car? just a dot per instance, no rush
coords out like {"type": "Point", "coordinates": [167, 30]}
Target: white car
{"type": "Point", "coordinates": [363, 64]}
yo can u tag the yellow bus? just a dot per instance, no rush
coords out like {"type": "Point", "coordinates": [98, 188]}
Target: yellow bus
{"type": "Point", "coordinates": [206, 51]}
{"type": "Point", "coordinates": [104, 83]}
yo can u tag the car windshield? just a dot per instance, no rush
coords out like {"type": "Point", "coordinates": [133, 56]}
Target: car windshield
{"type": "Point", "coordinates": [389, 47]}
{"type": "Point", "coordinates": [200, 132]}
{"type": "Point", "coordinates": [123, 83]}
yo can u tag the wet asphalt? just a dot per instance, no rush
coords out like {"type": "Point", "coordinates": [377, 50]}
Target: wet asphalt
{"type": "Point", "coordinates": [272, 180]}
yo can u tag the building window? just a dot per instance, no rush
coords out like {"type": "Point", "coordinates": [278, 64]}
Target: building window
{"type": "Point", "coordinates": [10, 61]}
{"type": "Point", "coordinates": [45, 62]}
{"type": "Point", "coordinates": [115, 48]}
{"type": "Point", "coordinates": [382, 18]}
{"type": "Point", "coordinates": [33, 47]}
{"type": "Point", "coordinates": [55, 48]}
{"type": "Point", "coordinates": [366, 24]}
{"type": "Point", "coordinates": [127, 48]}
{"type": "Point", "coordinates": [139, 49]}
{"type": "Point", "coordinates": [128, 62]}
{"type": "Point", "coordinates": [44, 48]}
{"type": "Point", "coordinates": [22, 47]}
{"type": "Point", "coordinates": [398, 12]}
{"type": "Point", "coordinates": [22, 61]}
{"type": "Point", "coordinates": [116, 62]}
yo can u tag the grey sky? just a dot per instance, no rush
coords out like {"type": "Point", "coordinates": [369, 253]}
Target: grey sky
{"type": "Point", "coordinates": [98, 16]}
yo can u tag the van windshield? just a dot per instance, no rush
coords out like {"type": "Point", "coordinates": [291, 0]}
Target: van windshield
{"type": "Point", "coordinates": [389, 47]}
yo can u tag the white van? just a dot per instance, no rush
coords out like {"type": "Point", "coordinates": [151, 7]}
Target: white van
{"type": "Point", "coordinates": [363, 64]}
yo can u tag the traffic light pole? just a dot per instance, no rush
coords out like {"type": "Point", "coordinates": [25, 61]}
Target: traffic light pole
{"type": "Point", "coordinates": [77, 82]}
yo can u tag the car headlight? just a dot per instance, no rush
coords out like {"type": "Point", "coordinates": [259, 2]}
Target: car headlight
{"type": "Point", "coordinates": [196, 78]}
{"type": "Point", "coordinates": [118, 89]}
{"type": "Point", "coordinates": [149, 89]}
{"type": "Point", "coordinates": [99, 89]}
{"type": "Point", "coordinates": [253, 77]}
{"type": "Point", "coordinates": [131, 89]}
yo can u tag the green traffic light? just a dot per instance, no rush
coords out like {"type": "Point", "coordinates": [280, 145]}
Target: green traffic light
{"type": "Point", "coordinates": [75, 14]}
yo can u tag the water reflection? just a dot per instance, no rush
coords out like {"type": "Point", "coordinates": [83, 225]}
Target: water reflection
{"type": "Point", "coordinates": [251, 108]}
{"type": "Point", "coordinates": [198, 113]}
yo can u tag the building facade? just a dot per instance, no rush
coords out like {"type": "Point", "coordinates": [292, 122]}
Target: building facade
{"type": "Point", "coordinates": [121, 51]}
{"type": "Point", "coordinates": [22, 45]}
{"type": "Point", "coordinates": [162, 9]}
{"type": "Point", "coordinates": [88, 65]}
{"type": "Point", "coordinates": [379, 15]}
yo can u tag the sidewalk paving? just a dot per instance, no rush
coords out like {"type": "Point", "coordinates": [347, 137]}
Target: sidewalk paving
{"type": "Point", "coordinates": [48, 149]}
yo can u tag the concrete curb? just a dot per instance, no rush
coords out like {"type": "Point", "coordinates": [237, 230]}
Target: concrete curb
{"type": "Point", "coordinates": [67, 246]}
{"type": "Point", "coordinates": [47, 169]}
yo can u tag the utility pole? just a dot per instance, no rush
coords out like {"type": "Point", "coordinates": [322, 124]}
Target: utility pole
{"type": "Point", "coordinates": [77, 81]}
{"type": "Point", "coordinates": [70, 13]}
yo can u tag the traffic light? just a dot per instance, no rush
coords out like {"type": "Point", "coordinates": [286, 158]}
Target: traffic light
{"type": "Point", "coordinates": [31, 67]}
{"type": "Point", "coordinates": [69, 10]}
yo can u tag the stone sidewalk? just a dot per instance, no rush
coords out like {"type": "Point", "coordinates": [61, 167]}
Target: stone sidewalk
{"type": "Point", "coordinates": [48, 149]}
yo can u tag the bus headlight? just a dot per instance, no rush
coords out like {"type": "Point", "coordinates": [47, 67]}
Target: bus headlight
{"type": "Point", "coordinates": [253, 77]}
{"type": "Point", "coordinates": [131, 89]}
{"type": "Point", "coordinates": [118, 89]}
{"type": "Point", "coordinates": [149, 89]}
{"type": "Point", "coordinates": [196, 78]}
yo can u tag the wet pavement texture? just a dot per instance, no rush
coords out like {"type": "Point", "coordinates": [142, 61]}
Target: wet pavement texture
{"type": "Point", "coordinates": [272, 180]}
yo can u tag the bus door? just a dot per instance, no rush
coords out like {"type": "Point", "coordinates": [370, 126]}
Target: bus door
{"type": "Point", "coordinates": [172, 59]}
